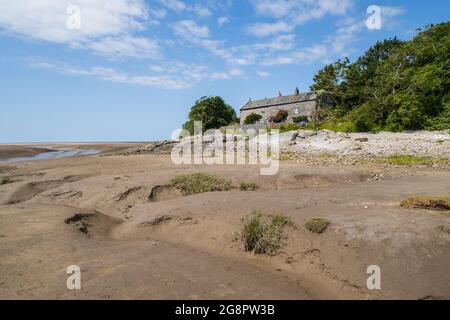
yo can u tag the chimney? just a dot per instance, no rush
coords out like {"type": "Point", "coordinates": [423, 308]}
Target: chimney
{"type": "Point", "coordinates": [296, 92]}
{"type": "Point", "coordinates": [279, 94]}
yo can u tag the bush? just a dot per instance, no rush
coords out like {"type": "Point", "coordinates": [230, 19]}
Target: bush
{"type": "Point", "coordinates": [288, 127]}
{"type": "Point", "coordinates": [427, 202]}
{"type": "Point", "coordinates": [199, 183]}
{"type": "Point", "coordinates": [317, 225]}
{"type": "Point", "coordinates": [263, 233]}
{"type": "Point", "coordinates": [300, 119]}
{"type": "Point", "coordinates": [252, 118]}
{"type": "Point", "coordinates": [248, 186]}
{"type": "Point", "coordinates": [5, 180]}
{"type": "Point", "coordinates": [280, 116]}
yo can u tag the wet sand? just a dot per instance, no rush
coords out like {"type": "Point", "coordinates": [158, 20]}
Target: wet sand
{"type": "Point", "coordinates": [179, 247]}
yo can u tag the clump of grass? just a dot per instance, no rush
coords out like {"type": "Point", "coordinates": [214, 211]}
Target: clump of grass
{"type": "Point", "coordinates": [445, 229]}
{"type": "Point", "coordinates": [408, 160]}
{"type": "Point", "coordinates": [284, 156]}
{"type": "Point", "coordinates": [317, 225]}
{"type": "Point", "coordinates": [262, 233]}
{"type": "Point", "coordinates": [248, 186]}
{"type": "Point", "coordinates": [5, 180]}
{"type": "Point", "coordinates": [199, 183]}
{"type": "Point", "coordinates": [427, 202]}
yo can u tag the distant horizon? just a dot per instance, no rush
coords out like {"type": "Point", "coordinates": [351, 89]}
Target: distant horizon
{"type": "Point", "coordinates": [136, 77]}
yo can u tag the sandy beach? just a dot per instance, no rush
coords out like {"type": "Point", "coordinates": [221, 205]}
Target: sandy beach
{"type": "Point", "coordinates": [131, 245]}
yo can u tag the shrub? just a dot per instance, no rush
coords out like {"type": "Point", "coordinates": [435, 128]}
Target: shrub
{"type": "Point", "coordinates": [288, 127]}
{"type": "Point", "coordinates": [299, 119]}
{"type": "Point", "coordinates": [427, 202]}
{"type": "Point", "coordinates": [262, 233]}
{"type": "Point", "coordinates": [280, 116]}
{"type": "Point", "coordinates": [199, 183]}
{"type": "Point", "coordinates": [317, 225]}
{"type": "Point", "coordinates": [252, 118]}
{"type": "Point", "coordinates": [248, 186]}
{"type": "Point", "coordinates": [5, 180]}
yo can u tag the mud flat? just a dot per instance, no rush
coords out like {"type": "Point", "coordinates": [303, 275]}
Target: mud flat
{"type": "Point", "coordinates": [134, 235]}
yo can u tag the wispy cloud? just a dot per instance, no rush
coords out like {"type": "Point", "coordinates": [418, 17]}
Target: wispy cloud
{"type": "Point", "coordinates": [302, 56]}
{"type": "Point", "coordinates": [190, 29]}
{"type": "Point", "coordinates": [223, 20]}
{"type": "Point", "coordinates": [294, 13]}
{"type": "Point", "coordinates": [175, 5]}
{"type": "Point", "coordinates": [172, 75]}
{"type": "Point", "coordinates": [267, 29]}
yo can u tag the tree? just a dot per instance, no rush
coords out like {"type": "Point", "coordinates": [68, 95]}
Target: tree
{"type": "Point", "coordinates": [252, 118]}
{"type": "Point", "coordinates": [395, 85]}
{"type": "Point", "coordinates": [213, 112]}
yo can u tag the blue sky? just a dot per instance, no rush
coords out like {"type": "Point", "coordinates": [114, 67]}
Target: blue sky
{"type": "Point", "coordinates": [131, 69]}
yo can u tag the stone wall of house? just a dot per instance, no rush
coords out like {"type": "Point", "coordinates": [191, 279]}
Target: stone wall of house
{"type": "Point", "coordinates": [305, 108]}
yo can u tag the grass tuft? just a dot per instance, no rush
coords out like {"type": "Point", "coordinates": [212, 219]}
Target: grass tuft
{"type": "Point", "coordinates": [317, 225]}
{"type": "Point", "coordinates": [248, 186]}
{"type": "Point", "coordinates": [200, 183]}
{"type": "Point", "coordinates": [262, 233]}
{"type": "Point", "coordinates": [5, 180]}
{"type": "Point", "coordinates": [285, 156]}
{"type": "Point", "coordinates": [427, 202]}
{"type": "Point", "coordinates": [445, 229]}
{"type": "Point", "coordinates": [408, 160]}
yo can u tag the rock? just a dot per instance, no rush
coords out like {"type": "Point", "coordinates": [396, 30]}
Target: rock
{"type": "Point", "coordinates": [362, 139]}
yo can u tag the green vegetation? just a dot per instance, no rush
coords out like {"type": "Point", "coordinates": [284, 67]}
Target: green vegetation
{"type": "Point", "coordinates": [299, 119]}
{"type": "Point", "coordinates": [248, 186]}
{"type": "Point", "coordinates": [199, 183]}
{"type": "Point", "coordinates": [408, 160]}
{"type": "Point", "coordinates": [213, 112]}
{"type": "Point", "coordinates": [252, 118]}
{"type": "Point", "coordinates": [285, 156]}
{"type": "Point", "coordinates": [288, 127]}
{"type": "Point", "coordinates": [262, 233]}
{"type": "Point", "coordinates": [317, 225]}
{"type": "Point", "coordinates": [427, 202]}
{"type": "Point", "coordinates": [281, 116]}
{"type": "Point", "coordinates": [396, 85]}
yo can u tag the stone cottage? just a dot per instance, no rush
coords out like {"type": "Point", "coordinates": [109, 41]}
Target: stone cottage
{"type": "Point", "coordinates": [298, 104]}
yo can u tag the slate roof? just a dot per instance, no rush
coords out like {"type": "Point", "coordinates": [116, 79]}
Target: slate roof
{"type": "Point", "coordinates": [270, 102]}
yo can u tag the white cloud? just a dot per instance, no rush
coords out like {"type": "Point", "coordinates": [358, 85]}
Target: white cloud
{"type": "Point", "coordinates": [388, 15]}
{"type": "Point", "coordinates": [263, 74]}
{"type": "Point", "coordinates": [126, 46]}
{"type": "Point", "coordinates": [175, 5]}
{"type": "Point", "coordinates": [295, 13]}
{"type": "Point", "coordinates": [303, 10]}
{"type": "Point", "coordinates": [267, 29]}
{"type": "Point", "coordinates": [102, 23]}
{"type": "Point", "coordinates": [283, 42]}
{"type": "Point", "coordinates": [223, 20]}
{"type": "Point", "coordinates": [114, 75]}
{"type": "Point", "coordinates": [201, 10]}
{"type": "Point", "coordinates": [189, 28]}
{"type": "Point", "coordinates": [236, 72]}
{"type": "Point", "coordinates": [303, 56]}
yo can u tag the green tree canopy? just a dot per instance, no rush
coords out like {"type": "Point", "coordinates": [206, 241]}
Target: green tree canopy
{"type": "Point", "coordinates": [396, 85]}
{"type": "Point", "coordinates": [213, 112]}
